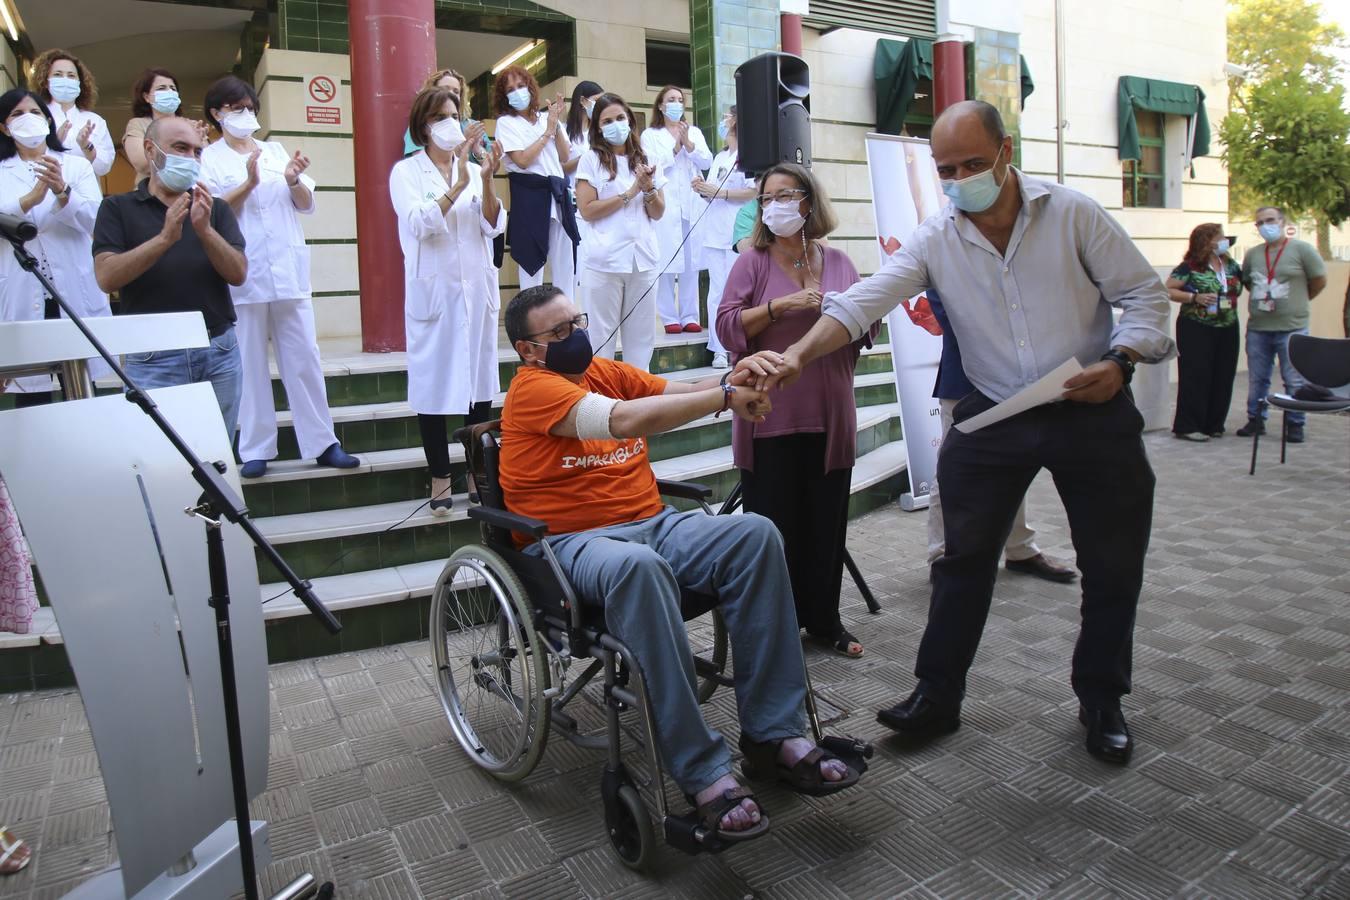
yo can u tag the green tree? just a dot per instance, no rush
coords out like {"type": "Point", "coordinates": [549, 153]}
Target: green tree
{"type": "Point", "coordinates": [1289, 148]}
{"type": "Point", "coordinates": [1278, 40]}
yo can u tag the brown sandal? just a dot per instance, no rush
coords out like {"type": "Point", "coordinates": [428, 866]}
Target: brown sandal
{"type": "Point", "coordinates": [762, 763]}
{"type": "Point", "coordinates": [14, 853]}
{"type": "Point", "coordinates": [710, 815]}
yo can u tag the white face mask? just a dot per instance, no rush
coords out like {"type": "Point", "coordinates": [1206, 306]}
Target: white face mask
{"type": "Point", "coordinates": [29, 130]}
{"type": "Point", "coordinates": [240, 124]}
{"type": "Point", "coordinates": [447, 134]}
{"type": "Point", "coordinates": [783, 217]}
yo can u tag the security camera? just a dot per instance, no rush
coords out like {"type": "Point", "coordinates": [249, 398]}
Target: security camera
{"type": "Point", "coordinates": [1233, 70]}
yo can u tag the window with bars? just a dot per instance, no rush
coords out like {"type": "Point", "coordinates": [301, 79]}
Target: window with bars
{"type": "Point", "coordinates": [1143, 180]}
{"type": "Point", "coordinates": [916, 17]}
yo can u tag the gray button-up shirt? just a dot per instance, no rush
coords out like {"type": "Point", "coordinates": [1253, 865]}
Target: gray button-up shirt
{"type": "Point", "coordinates": [1019, 315]}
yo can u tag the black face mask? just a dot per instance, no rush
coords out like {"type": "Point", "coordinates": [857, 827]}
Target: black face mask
{"type": "Point", "coordinates": [571, 356]}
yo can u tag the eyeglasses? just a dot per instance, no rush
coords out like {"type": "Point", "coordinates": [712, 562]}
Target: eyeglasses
{"type": "Point", "coordinates": [786, 195]}
{"type": "Point", "coordinates": [564, 331]}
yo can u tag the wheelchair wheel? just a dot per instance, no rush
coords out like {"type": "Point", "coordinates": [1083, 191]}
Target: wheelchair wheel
{"type": "Point", "coordinates": [630, 830]}
{"type": "Point", "coordinates": [491, 668]}
{"type": "Point", "coordinates": [716, 657]}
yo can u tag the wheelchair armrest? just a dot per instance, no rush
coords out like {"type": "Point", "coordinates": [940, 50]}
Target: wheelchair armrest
{"type": "Point", "coordinates": [500, 518]}
{"type": "Point", "coordinates": [685, 490]}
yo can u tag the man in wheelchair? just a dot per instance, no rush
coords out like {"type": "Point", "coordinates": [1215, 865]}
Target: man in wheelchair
{"type": "Point", "coordinates": [574, 455]}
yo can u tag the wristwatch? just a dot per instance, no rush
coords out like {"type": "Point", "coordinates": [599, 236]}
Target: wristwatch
{"type": "Point", "coordinates": [64, 193]}
{"type": "Point", "coordinates": [1122, 359]}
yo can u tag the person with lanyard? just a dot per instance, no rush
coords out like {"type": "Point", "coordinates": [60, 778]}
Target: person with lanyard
{"type": "Point", "coordinates": [171, 246]}
{"type": "Point", "coordinates": [543, 224]}
{"type": "Point", "coordinates": [59, 194]}
{"type": "Point", "coordinates": [726, 191]}
{"type": "Point", "coordinates": [267, 189]}
{"type": "Point", "coordinates": [1283, 274]}
{"type": "Point", "coordinates": [620, 195]}
{"type": "Point", "coordinates": [1029, 272]}
{"type": "Point", "coordinates": [67, 87]}
{"type": "Point", "coordinates": [579, 115]}
{"type": "Point", "coordinates": [1206, 285]}
{"type": "Point", "coordinates": [686, 155]}
{"type": "Point", "coordinates": [153, 96]}
{"type": "Point", "coordinates": [448, 215]}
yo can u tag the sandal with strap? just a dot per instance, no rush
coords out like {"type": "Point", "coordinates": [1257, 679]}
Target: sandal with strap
{"type": "Point", "coordinates": [843, 643]}
{"type": "Point", "coordinates": [14, 853]}
{"type": "Point", "coordinates": [762, 762]}
{"type": "Point", "coordinates": [710, 815]}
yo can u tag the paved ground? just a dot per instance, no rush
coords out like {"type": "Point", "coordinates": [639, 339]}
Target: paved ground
{"type": "Point", "coordinates": [1240, 785]}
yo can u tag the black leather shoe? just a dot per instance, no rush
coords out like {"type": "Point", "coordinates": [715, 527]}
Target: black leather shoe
{"type": "Point", "coordinates": [1108, 737]}
{"type": "Point", "coordinates": [1043, 566]}
{"type": "Point", "coordinates": [1253, 426]}
{"type": "Point", "coordinates": [921, 716]}
{"type": "Point", "coordinates": [1295, 434]}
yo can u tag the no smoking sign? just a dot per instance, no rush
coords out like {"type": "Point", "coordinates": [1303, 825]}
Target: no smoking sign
{"type": "Point", "coordinates": [321, 101]}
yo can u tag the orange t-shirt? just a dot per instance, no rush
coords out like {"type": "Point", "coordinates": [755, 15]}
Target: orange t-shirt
{"type": "Point", "coordinates": [571, 484]}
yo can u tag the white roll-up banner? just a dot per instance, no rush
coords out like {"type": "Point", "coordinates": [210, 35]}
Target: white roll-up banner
{"type": "Point", "coordinates": [905, 191]}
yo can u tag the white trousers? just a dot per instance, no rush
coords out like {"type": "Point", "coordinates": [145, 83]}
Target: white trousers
{"type": "Point", "coordinates": [719, 267]}
{"type": "Point", "coordinates": [290, 325]}
{"type": "Point", "coordinates": [678, 308]}
{"type": "Point", "coordinates": [1021, 540]}
{"type": "Point", "coordinates": [559, 262]}
{"type": "Point", "coordinates": [612, 298]}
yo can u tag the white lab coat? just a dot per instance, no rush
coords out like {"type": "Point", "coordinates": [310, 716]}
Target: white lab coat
{"type": "Point", "coordinates": [451, 298]}
{"type": "Point", "coordinates": [65, 241]}
{"type": "Point", "coordinates": [273, 303]}
{"type": "Point", "coordinates": [104, 155]}
{"type": "Point", "coordinates": [683, 204]}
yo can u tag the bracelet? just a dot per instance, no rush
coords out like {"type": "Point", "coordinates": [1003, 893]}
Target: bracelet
{"type": "Point", "coordinates": [770, 308]}
{"type": "Point", "coordinates": [648, 195]}
{"type": "Point", "coordinates": [727, 391]}
{"type": "Point", "coordinates": [725, 376]}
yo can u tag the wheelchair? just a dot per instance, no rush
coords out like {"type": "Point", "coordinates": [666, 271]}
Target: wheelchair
{"type": "Point", "coordinates": [506, 630]}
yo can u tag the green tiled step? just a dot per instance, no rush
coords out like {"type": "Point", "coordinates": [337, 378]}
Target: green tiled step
{"type": "Point", "coordinates": [296, 486]}
{"type": "Point", "coordinates": [387, 425]}
{"type": "Point", "coordinates": [388, 605]}
{"type": "Point", "coordinates": [348, 539]}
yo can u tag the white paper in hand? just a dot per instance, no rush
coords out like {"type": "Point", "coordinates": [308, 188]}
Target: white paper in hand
{"type": "Point", "coordinates": [1047, 390]}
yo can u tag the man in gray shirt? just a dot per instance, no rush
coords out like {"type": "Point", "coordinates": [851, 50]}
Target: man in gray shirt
{"type": "Point", "coordinates": [1028, 272]}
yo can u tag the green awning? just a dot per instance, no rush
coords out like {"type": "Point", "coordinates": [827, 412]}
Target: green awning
{"type": "Point", "coordinates": [897, 69]}
{"type": "Point", "coordinates": [1027, 84]}
{"type": "Point", "coordinates": [1168, 97]}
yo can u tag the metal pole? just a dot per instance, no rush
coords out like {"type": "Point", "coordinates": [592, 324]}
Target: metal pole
{"type": "Point", "coordinates": [1059, 91]}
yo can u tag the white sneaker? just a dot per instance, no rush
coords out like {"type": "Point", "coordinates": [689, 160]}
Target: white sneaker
{"type": "Point", "coordinates": [720, 361]}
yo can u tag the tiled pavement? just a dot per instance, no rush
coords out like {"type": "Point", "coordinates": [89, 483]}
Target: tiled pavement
{"type": "Point", "coordinates": [1240, 785]}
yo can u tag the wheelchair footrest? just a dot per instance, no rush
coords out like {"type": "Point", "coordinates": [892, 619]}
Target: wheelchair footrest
{"type": "Point", "coordinates": [705, 669]}
{"type": "Point", "coordinates": [852, 751]}
{"type": "Point", "coordinates": [687, 834]}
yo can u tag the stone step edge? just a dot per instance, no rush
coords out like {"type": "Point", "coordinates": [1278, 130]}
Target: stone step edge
{"type": "Point", "coordinates": [392, 585]}
{"type": "Point", "coordinates": [336, 523]}
{"type": "Point", "coordinates": [410, 457]}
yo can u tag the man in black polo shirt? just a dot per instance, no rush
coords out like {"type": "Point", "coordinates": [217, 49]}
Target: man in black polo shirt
{"type": "Point", "coordinates": [169, 246]}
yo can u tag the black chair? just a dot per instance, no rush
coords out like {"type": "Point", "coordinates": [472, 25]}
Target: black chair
{"type": "Point", "coordinates": [1321, 361]}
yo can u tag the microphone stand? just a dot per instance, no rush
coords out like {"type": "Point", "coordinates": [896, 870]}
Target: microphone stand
{"type": "Point", "coordinates": [217, 504]}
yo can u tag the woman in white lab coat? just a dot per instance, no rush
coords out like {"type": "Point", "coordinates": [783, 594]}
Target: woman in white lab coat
{"type": "Point", "coordinates": [68, 88]}
{"type": "Point", "coordinates": [672, 138]}
{"type": "Point", "coordinates": [60, 195]}
{"type": "Point", "coordinates": [579, 112]}
{"type": "Point", "coordinates": [726, 191]}
{"type": "Point", "coordinates": [266, 188]}
{"type": "Point", "coordinates": [448, 214]}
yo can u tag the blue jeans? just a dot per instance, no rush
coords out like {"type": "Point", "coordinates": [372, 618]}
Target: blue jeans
{"type": "Point", "coordinates": [218, 364]}
{"type": "Point", "coordinates": [1263, 347]}
{"type": "Point", "coordinates": [638, 569]}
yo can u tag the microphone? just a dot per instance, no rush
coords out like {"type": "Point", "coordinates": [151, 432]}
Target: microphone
{"type": "Point", "coordinates": [16, 229]}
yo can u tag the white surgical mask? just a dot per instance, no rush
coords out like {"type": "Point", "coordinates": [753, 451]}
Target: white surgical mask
{"type": "Point", "coordinates": [1222, 248]}
{"type": "Point", "coordinates": [1271, 231]}
{"type": "Point", "coordinates": [978, 192]}
{"type": "Point", "coordinates": [447, 134]}
{"type": "Point", "coordinates": [674, 111]}
{"type": "Point", "coordinates": [166, 101]}
{"type": "Point", "coordinates": [519, 98]}
{"type": "Point", "coordinates": [240, 124]}
{"type": "Point", "coordinates": [588, 107]}
{"type": "Point", "coordinates": [783, 217]}
{"type": "Point", "coordinates": [29, 130]}
{"type": "Point", "coordinates": [63, 88]}
{"type": "Point", "coordinates": [616, 132]}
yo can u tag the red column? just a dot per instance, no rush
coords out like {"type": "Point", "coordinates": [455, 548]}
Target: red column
{"type": "Point", "coordinates": [949, 72]}
{"type": "Point", "coordinates": [790, 27]}
{"type": "Point", "coordinates": [393, 50]}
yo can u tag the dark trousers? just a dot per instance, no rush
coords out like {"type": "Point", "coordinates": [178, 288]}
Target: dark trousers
{"type": "Point", "coordinates": [790, 487]}
{"type": "Point", "coordinates": [1096, 456]}
{"type": "Point", "coordinates": [1205, 370]}
{"type": "Point", "coordinates": [434, 443]}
